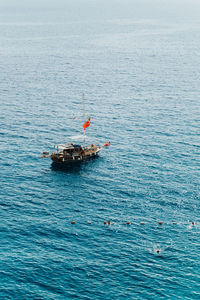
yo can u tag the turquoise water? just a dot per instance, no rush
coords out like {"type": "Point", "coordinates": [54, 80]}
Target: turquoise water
{"type": "Point", "coordinates": [140, 75]}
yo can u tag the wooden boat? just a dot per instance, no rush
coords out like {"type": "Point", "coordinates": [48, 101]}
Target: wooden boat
{"type": "Point", "coordinates": [72, 153]}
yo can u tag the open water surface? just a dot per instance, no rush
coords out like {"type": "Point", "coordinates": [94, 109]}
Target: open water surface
{"type": "Point", "coordinates": [141, 80]}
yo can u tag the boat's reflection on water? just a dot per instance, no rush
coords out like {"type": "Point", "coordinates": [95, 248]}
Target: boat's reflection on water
{"type": "Point", "coordinates": [67, 168]}
{"type": "Point", "coordinates": [74, 167]}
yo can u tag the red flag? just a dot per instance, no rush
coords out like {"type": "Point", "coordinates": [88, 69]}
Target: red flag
{"type": "Point", "coordinates": [107, 144]}
{"type": "Point", "coordinates": [87, 124]}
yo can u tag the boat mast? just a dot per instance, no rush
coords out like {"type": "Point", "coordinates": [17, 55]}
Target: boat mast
{"type": "Point", "coordinates": [83, 100]}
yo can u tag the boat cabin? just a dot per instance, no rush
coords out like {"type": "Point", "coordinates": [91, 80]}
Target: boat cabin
{"type": "Point", "coordinates": [72, 151]}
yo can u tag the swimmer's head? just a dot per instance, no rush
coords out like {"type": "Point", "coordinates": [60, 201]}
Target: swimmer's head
{"type": "Point", "coordinates": [157, 250]}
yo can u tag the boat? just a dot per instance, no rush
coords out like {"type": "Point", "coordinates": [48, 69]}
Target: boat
{"type": "Point", "coordinates": [72, 153]}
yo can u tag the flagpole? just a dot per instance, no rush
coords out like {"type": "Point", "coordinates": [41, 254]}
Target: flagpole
{"type": "Point", "coordinates": [84, 138]}
{"type": "Point", "coordinates": [83, 99]}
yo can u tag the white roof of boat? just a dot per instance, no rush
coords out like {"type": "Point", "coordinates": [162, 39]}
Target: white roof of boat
{"type": "Point", "coordinates": [77, 137]}
{"type": "Point", "coordinates": [64, 146]}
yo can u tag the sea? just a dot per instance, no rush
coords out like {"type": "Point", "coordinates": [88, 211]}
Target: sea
{"type": "Point", "coordinates": [125, 225]}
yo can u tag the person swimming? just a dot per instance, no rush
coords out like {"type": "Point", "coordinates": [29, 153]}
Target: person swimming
{"type": "Point", "coordinates": [157, 249]}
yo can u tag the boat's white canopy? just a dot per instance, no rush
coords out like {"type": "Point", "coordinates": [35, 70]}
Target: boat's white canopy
{"type": "Point", "coordinates": [64, 146]}
{"type": "Point", "coordinates": [69, 145]}
{"type": "Point", "coordinates": [76, 137]}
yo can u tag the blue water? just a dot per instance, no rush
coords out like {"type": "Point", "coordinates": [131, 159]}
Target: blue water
{"type": "Point", "coordinates": [140, 74]}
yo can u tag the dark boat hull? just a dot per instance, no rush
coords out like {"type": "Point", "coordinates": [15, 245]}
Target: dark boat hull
{"type": "Point", "coordinates": [71, 162]}
{"type": "Point", "coordinates": [71, 166]}
{"type": "Point", "coordinates": [62, 159]}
